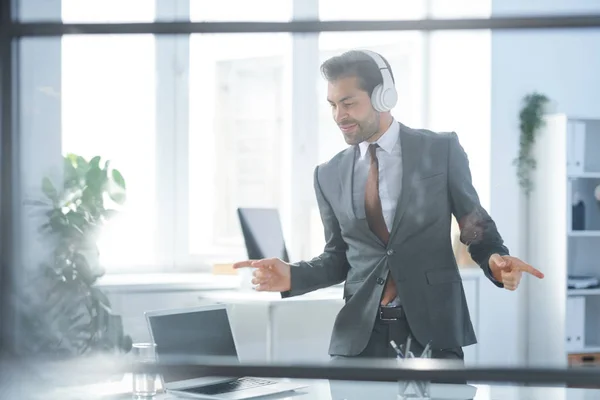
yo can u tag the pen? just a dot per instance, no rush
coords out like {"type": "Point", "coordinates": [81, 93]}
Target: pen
{"type": "Point", "coordinates": [425, 352]}
{"type": "Point", "coordinates": [396, 349]}
{"type": "Point", "coordinates": [408, 341]}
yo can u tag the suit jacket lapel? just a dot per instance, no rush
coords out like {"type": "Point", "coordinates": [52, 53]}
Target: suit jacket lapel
{"type": "Point", "coordinates": [346, 173]}
{"type": "Point", "coordinates": [411, 148]}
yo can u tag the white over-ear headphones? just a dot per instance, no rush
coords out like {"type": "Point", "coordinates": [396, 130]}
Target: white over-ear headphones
{"type": "Point", "coordinates": [384, 96]}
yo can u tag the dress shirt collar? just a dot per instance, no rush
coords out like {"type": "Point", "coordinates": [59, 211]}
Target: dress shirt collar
{"type": "Point", "coordinates": [387, 141]}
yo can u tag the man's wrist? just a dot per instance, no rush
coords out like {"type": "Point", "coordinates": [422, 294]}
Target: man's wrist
{"type": "Point", "coordinates": [494, 274]}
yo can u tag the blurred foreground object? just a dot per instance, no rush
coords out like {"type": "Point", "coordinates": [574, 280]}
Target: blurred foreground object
{"type": "Point", "coordinates": [60, 312]}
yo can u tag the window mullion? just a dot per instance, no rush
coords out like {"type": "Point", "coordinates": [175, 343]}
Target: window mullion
{"type": "Point", "coordinates": [172, 111]}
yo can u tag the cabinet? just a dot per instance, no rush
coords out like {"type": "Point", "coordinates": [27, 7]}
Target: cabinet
{"type": "Point", "coordinates": [564, 241]}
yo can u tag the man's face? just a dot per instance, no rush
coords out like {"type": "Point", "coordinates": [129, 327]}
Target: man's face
{"type": "Point", "coordinates": [352, 110]}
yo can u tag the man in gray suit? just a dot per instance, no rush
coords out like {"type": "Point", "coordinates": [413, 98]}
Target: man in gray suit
{"type": "Point", "coordinates": [386, 204]}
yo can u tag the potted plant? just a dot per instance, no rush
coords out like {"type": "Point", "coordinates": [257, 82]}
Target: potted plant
{"type": "Point", "coordinates": [530, 121]}
{"type": "Point", "coordinates": [63, 314]}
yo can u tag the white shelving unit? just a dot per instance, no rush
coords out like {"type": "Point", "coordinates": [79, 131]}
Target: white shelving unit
{"type": "Point", "coordinates": [564, 240]}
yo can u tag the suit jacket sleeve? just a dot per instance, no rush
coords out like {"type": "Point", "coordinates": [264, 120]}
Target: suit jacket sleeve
{"type": "Point", "coordinates": [477, 229]}
{"type": "Point", "coordinates": [329, 268]}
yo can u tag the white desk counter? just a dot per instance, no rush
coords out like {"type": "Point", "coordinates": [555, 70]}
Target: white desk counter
{"type": "Point", "coordinates": [265, 326]}
{"type": "Point", "coordinates": [164, 282]}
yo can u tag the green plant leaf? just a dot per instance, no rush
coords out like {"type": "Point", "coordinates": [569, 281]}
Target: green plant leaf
{"type": "Point", "coordinates": [70, 175]}
{"type": "Point", "coordinates": [75, 231]}
{"type": "Point", "coordinates": [77, 219]}
{"type": "Point", "coordinates": [95, 180]}
{"type": "Point", "coordinates": [46, 227]}
{"type": "Point", "coordinates": [73, 157]}
{"type": "Point", "coordinates": [118, 179]}
{"type": "Point", "coordinates": [83, 269]}
{"type": "Point", "coordinates": [49, 189]}
{"type": "Point", "coordinates": [118, 197]}
{"type": "Point", "coordinates": [58, 223]}
{"type": "Point", "coordinates": [82, 168]}
{"type": "Point", "coordinates": [52, 212]}
{"type": "Point", "coordinates": [95, 162]}
{"type": "Point", "coordinates": [87, 200]}
{"type": "Point", "coordinates": [36, 203]}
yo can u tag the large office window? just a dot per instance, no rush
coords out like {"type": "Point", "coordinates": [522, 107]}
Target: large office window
{"type": "Point", "coordinates": [459, 95]}
{"type": "Point", "coordinates": [239, 127]}
{"type": "Point", "coordinates": [108, 109]}
{"type": "Point", "coordinates": [336, 10]}
{"type": "Point", "coordinates": [202, 125]}
{"type": "Point", "coordinates": [460, 86]}
{"type": "Point", "coordinates": [105, 11]}
{"type": "Point", "coordinates": [240, 10]}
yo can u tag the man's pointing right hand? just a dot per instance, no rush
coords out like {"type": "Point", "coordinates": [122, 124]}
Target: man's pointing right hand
{"type": "Point", "coordinates": [270, 275]}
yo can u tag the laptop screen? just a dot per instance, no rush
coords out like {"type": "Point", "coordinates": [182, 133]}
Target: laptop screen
{"type": "Point", "coordinates": [198, 333]}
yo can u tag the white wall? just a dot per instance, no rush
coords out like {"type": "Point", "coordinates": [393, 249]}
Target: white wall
{"type": "Point", "coordinates": [551, 62]}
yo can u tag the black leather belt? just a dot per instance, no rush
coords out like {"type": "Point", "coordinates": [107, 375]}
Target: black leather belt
{"type": "Point", "coordinates": [390, 313]}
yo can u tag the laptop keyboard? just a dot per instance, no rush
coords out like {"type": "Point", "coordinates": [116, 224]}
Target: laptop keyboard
{"type": "Point", "coordinates": [226, 387]}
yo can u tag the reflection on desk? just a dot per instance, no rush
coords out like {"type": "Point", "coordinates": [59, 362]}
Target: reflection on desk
{"type": "Point", "coordinates": [340, 390]}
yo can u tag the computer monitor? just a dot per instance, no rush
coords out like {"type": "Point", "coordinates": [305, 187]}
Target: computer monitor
{"type": "Point", "coordinates": [262, 232]}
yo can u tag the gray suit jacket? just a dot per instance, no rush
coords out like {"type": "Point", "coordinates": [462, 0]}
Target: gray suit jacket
{"type": "Point", "coordinates": [436, 183]}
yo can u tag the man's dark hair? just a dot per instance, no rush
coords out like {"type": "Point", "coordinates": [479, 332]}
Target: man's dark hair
{"type": "Point", "coordinates": [355, 63]}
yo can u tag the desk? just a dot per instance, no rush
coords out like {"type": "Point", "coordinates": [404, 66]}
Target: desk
{"type": "Point", "coordinates": [259, 337]}
{"type": "Point", "coordinates": [336, 390]}
{"type": "Point", "coordinates": [298, 329]}
{"type": "Point", "coordinates": [267, 327]}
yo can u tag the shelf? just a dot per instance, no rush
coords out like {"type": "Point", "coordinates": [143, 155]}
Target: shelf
{"type": "Point", "coordinates": [586, 349]}
{"type": "Point", "coordinates": [583, 292]}
{"type": "Point", "coordinates": [566, 177]}
{"type": "Point", "coordinates": [584, 233]}
{"type": "Point", "coordinates": [585, 175]}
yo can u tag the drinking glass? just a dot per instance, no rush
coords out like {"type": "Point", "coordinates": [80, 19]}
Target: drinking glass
{"type": "Point", "coordinates": [144, 383]}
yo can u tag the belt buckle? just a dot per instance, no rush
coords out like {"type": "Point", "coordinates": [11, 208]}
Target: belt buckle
{"type": "Point", "coordinates": [385, 319]}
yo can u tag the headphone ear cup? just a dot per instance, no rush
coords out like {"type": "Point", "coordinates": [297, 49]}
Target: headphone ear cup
{"type": "Point", "coordinates": [377, 99]}
{"type": "Point", "coordinates": [389, 98]}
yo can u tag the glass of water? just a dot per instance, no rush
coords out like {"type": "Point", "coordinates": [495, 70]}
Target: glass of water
{"type": "Point", "coordinates": [144, 384]}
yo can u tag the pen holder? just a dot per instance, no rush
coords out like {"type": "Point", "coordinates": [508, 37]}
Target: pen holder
{"type": "Point", "coordinates": [413, 390]}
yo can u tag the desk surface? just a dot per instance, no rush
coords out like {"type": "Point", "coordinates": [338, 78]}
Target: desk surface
{"type": "Point", "coordinates": [199, 281]}
{"type": "Point", "coordinates": [336, 390]}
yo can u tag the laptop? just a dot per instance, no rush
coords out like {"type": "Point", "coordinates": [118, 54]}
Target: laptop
{"type": "Point", "coordinates": [205, 331]}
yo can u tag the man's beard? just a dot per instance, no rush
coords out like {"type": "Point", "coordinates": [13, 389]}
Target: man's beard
{"type": "Point", "coordinates": [364, 131]}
